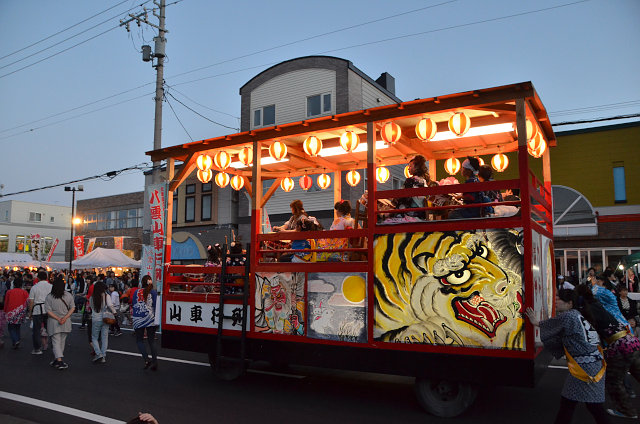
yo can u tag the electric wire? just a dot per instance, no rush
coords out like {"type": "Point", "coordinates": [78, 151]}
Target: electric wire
{"type": "Point", "coordinates": [589, 121]}
{"type": "Point", "coordinates": [201, 105]}
{"type": "Point", "coordinates": [313, 37]}
{"type": "Point", "coordinates": [179, 121]}
{"type": "Point", "coordinates": [65, 40]}
{"type": "Point", "coordinates": [63, 30]}
{"type": "Point", "coordinates": [201, 115]}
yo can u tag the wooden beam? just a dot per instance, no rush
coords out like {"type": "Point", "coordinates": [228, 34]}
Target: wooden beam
{"type": "Point", "coordinates": [187, 168]}
{"type": "Point", "coordinates": [269, 193]}
{"type": "Point", "coordinates": [247, 185]}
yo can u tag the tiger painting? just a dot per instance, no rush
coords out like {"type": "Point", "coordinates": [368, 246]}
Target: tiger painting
{"type": "Point", "coordinates": [461, 288]}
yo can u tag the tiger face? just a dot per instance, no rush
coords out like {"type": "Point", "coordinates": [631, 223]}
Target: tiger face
{"type": "Point", "coordinates": [456, 292]}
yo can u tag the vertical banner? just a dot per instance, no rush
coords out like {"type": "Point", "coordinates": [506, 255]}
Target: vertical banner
{"type": "Point", "coordinates": [35, 246]}
{"type": "Point", "coordinates": [118, 243]}
{"type": "Point", "coordinates": [266, 224]}
{"type": "Point", "coordinates": [78, 246]}
{"type": "Point", "coordinates": [156, 195]}
{"type": "Point", "coordinates": [53, 248]}
{"type": "Point", "coordinates": [91, 244]}
{"type": "Point", "coordinates": [147, 263]}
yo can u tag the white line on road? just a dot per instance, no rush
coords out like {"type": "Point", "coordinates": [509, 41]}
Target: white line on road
{"type": "Point", "coordinates": [205, 364]}
{"type": "Point", "coordinates": [559, 367]}
{"type": "Point", "coordinates": [59, 408]}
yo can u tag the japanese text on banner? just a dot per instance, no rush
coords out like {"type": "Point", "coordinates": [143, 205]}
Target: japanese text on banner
{"type": "Point", "coordinates": [78, 246]}
{"type": "Point", "coordinates": [157, 206]}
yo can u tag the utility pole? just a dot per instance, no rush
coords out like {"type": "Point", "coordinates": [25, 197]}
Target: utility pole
{"type": "Point", "coordinates": [158, 54]}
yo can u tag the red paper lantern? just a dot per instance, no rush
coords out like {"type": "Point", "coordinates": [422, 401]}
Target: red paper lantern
{"type": "Point", "coordinates": [287, 184]}
{"type": "Point", "coordinates": [222, 179]}
{"type": "Point", "coordinates": [312, 146]}
{"type": "Point", "coordinates": [324, 181]}
{"type": "Point", "coordinates": [246, 156]}
{"type": "Point", "coordinates": [391, 132]}
{"type": "Point", "coordinates": [353, 178]}
{"type": "Point", "coordinates": [204, 162]}
{"type": "Point", "coordinates": [305, 182]}
{"type": "Point", "coordinates": [459, 123]}
{"type": "Point", "coordinates": [204, 175]}
{"type": "Point", "coordinates": [278, 150]}
{"type": "Point", "coordinates": [426, 129]}
{"type": "Point", "coordinates": [499, 162]}
{"type": "Point", "coordinates": [452, 166]}
{"type": "Point", "coordinates": [237, 182]}
{"type": "Point", "coordinates": [222, 159]}
{"type": "Point", "coordinates": [349, 141]}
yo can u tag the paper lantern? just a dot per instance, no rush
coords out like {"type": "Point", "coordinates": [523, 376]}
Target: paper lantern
{"type": "Point", "coordinates": [499, 162]}
{"type": "Point", "coordinates": [205, 175]}
{"type": "Point", "coordinates": [407, 174]}
{"type": "Point", "coordinates": [305, 182]}
{"type": "Point", "coordinates": [278, 150]}
{"type": "Point", "coordinates": [426, 129]}
{"type": "Point", "coordinates": [532, 130]}
{"type": "Point", "coordinates": [222, 179]}
{"type": "Point", "coordinates": [452, 166]}
{"type": "Point", "coordinates": [237, 182]}
{"type": "Point", "coordinates": [353, 178]}
{"type": "Point", "coordinates": [537, 148]}
{"type": "Point", "coordinates": [390, 132]}
{"type": "Point", "coordinates": [287, 184]}
{"type": "Point", "coordinates": [312, 146]}
{"type": "Point", "coordinates": [480, 160]}
{"type": "Point", "coordinates": [222, 159]}
{"type": "Point", "coordinates": [382, 174]}
{"type": "Point", "coordinates": [204, 162]}
{"type": "Point", "coordinates": [349, 140]}
{"type": "Point", "coordinates": [324, 181]}
{"type": "Point", "coordinates": [459, 123]}
{"type": "Point", "coordinates": [246, 156]}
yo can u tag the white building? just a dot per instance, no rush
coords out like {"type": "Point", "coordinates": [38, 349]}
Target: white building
{"type": "Point", "coordinates": [26, 225]}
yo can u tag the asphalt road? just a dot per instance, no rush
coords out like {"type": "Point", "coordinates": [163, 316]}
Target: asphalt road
{"type": "Point", "coordinates": [183, 390]}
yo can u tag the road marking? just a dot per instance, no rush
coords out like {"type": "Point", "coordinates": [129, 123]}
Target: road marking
{"type": "Point", "coordinates": [559, 367]}
{"type": "Point", "coordinates": [206, 364]}
{"type": "Point", "coordinates": [59, 408]}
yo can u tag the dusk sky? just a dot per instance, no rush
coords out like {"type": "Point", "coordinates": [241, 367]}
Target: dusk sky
{"type": "Point", "coordinates": [90, 109]}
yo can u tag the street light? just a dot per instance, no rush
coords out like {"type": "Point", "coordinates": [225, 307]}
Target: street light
{"type": "Point", "coordinates": [74, 221]}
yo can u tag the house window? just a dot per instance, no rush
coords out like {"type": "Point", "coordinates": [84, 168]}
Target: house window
{"type": "Point", "coordinates": [264, 116]}
{"type": "Point", "coordinates": [619, 184]}
{"type": "Point", "coordinates": [174, 212]}
{"type": "Point", "coordinates": [52, 219]}
{"type": "Point", "coordinates": [20, 243]}
{"type": "Point", "coordinates": [191, 188]}
{"type": "Point", "coordinates": [318, 104]}
{"type": "Point", "coordinates": [35, 217]}
{"type": "Point", "coordinates": [190, 209]}
{"type": "Point", "coordinates": [4, 242]}
{"type": "Point", "coordinates": [122, 219]}
{"type": "Point", "coordinates": [206, 187]}
{"type": "Point", "coordinates": [206, 208]}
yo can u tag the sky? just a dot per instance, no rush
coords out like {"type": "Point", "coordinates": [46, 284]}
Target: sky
{"type": "Point", "coordinates": [88, 109]}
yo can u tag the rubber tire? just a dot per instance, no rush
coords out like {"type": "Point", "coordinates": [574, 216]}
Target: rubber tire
{"type": "Point", "coordinates": [229, 370]}
{"type": "Point", "coordinates": [444, 398]}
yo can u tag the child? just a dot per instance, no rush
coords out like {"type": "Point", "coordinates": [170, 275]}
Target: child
{"type": "Point", "coordinates": [115, 301]}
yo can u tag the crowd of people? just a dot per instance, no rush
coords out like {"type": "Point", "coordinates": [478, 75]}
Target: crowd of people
{"type": "Point", "coordinates": [47, 300]}
{"type": "Point", "coordinates": [595, 328]}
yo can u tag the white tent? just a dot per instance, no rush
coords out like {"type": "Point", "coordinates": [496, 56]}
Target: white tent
{"type": "Point", "coordinates": [105, 258]}
{"type": "Point", "coordinates": [17, 259]}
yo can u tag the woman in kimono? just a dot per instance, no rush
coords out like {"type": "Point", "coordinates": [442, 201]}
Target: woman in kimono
{"type": "Point", "coordinates": [570, 333]}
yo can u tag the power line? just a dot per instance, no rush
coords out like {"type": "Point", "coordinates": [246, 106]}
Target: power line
{"type": "Point", "coordinates": [202, 116]}
{"type": "Point", "coordinates": [179, 121]}
{"type": "Point", "coordinates": [201, 105]}
{"type": "Point", "coordinates": [69, 38]}
{"type": "Point", "coordinates": [589, 121]}
{"type": "Point", "coordinates": [313, 37]}
{"type": "Point", "coordinates": [144, 166]}
{"type": "Point", "coordinates": [75, 116]}
{"type": "Point", "coordinates": [61, 31]}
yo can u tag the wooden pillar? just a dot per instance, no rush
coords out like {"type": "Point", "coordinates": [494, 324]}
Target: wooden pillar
{"type": "Point", "coordinates": [337, 188]}
{"type": "Point", "coordinates": [169, 212]}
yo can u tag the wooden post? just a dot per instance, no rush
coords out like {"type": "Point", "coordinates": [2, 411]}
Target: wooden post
{"type": "Point", "coordinates": [337, 189]}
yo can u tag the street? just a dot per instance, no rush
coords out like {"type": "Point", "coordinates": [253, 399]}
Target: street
{"type": "Point", "coordinates": [184, 390]}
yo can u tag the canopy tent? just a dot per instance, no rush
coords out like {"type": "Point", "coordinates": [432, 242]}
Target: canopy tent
{"type": "Point", "coordinates": [630, 260]}
{"type": "Point", "coordinates": [17, 259]}
{"type": "Point", "coordinates": [104, 258]}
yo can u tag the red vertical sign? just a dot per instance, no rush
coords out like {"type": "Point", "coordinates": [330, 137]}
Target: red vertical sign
{"type": "Point", "coordinates": [78, 246]}
{"type": "Point", "coordinates": [157, 205]}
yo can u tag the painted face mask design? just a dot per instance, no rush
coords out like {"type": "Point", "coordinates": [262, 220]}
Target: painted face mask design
{"type": "Point", "coordinates": [456, 288]}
